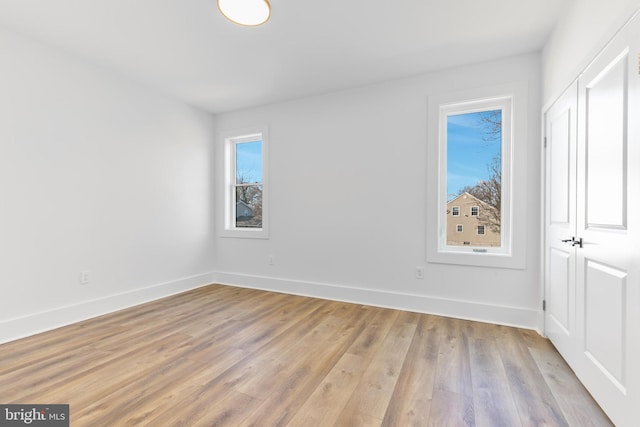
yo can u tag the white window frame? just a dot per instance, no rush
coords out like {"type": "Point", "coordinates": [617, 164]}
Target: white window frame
{"type": "Point", "coordinates": [228, 221]}
{"type": "Point", "coordinates": [477, 105]}
{"type": "Point", "coordinates": [484, 230]}
{"type": "Point", "coordinates": [455, 209]}
{"type": "Point", "coordinates": [513, 100]}
{"type": "Point", "coordinates": [459, 228]}
{"type": "Point", "coordinates": [477, 208]}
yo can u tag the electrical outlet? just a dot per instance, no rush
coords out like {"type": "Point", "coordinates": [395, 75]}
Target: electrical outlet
{"type": "Point", "coordinates": [271, 260]}
{"type": "Point", "coordinates": [84, 277]}
{"type": "Point", "coordinates": [419, 272]}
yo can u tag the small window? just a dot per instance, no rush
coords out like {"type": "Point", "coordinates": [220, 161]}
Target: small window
{"type": "Point", "coordinates": [245, 186]}
{"type": "Point", "coordinates": [455, 211]}
{"type": "Point", "coordinates": [459, 228]}
{"type": "Point", "coordinates": [481, 230]}
{"type": "Point", "coordinates": [474, 210]}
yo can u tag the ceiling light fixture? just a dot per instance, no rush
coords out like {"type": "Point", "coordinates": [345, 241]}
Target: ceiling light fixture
{"type": "Point", "coordinates": [245, 12]}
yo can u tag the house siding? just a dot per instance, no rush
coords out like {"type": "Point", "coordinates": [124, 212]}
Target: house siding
{"type": "Point", "coordinates": [469, 235]}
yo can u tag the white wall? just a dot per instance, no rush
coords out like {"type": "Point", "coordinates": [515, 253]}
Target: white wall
{"type": "Point", "coordinates": [578, 36]}
{"type": "Point", "coordinates": [96, 173]}
{"type": "Point", "coordinates": [348, 201]}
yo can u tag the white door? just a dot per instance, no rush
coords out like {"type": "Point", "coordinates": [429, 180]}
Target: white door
{"type": "Point", "coordinates": [608, 221]}
{"type": "Point", "coordinates": [560, 220]}
{"type": "Point", "coordinates": [593, 286]}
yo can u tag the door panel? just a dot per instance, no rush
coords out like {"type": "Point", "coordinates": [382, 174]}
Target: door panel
{"type": "Point", "coordinates": [560, 269]}
{"type": "Point", "coordinates": [559, 158]}
{"type": "Point", "coordinates": [605, 290]}
{"type": "Point", "coordinates": [560, 275]}
{"type": "Point", "coordinates": [608, 190]}
{"type": "Point", "coordinates": [605, 106]}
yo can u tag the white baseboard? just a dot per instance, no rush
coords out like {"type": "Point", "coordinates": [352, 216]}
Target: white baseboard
{"type": "Point", "coordinates": [468, 310]}
{"type": "Point", "coordinates": [31, 324]}
{"type": "Point", "coordinates": [34, 323]}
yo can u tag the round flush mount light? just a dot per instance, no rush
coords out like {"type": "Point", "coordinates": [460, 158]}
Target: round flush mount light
{"type": "Point", "coordinates": [245, 12]}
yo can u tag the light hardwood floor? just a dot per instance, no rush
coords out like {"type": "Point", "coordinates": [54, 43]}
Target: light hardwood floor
{"type": "Point", "coordinates": [221, 355]}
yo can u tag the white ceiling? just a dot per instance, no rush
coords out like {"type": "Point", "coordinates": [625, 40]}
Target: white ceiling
{"type": "Point", "coordinates": [187, 49]}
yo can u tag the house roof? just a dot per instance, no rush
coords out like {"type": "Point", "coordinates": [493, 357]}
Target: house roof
{"type": "Point", "coordinates": [480, 202]}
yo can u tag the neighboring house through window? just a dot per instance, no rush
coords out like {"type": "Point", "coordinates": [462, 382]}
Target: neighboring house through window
{"type": "Point", "coordinates": [464, 229]}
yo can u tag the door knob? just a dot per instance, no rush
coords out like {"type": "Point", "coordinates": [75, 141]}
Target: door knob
{"type": "Point", "coordinates": [573, 241]}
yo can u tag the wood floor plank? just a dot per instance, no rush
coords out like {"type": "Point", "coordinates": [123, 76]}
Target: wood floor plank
{"type": "Point", "coordinates": [220, 355]}
{"type": "Point", "coordinates": [411, 401]}
{"type": "Point", "coordinates": [451, 410]}
{"type": "Point", "coordinates": [304, 373]}
{"type": "Point", "coordinates": [453, 373]}
{"type": "Point", "coordinates": [366, 345]}
{"type": "Point", "coordinates": [277, 360]}
{"type": "Point", "coordinates": [193, 398]}
{"type": "Point", "coordinates": [374, 391]}
{"type": "Point", "coordinates": [535, 403]}
{"type": "Point", "coordinates": [326, 403]}
{"type": "Point", "coordinates": [129, 399]}
{"type": "Point", "coordinates": [98, 378]}
{"type": "Point", "coordinates": [576, 405]}
{"type": "Point", "coordinates": [231, 411]}
{"type": "Point", "coordinates": [492, 399]}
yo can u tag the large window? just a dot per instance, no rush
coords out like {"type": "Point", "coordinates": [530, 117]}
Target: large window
{"type": "Point", "coordinates": [473, 141]}
{"type": "Point", "coordinates": [245, 186]}
{"type": "Point", "coordinates": [471, 168]}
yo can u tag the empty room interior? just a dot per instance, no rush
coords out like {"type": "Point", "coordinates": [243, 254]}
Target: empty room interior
{"type": "Point", "coordinates": [337, 213]}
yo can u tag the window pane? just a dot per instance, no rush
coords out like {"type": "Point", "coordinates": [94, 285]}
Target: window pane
{"type": "Point", "coordinates": [249, 206]}
{"type": "Point", "coordinates": [249, 162]}
{"type": "Point", "coordinates": [474, 169]}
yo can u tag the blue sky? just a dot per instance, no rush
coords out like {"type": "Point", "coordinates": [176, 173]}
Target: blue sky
{"type": "Point", "coordinates": [249, 160]}
{"type": "Point", "coordinates": [468, 150]}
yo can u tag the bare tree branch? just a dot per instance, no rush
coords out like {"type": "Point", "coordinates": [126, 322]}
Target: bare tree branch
{"type": "Point", "coordinates": [491, 121]}
{"type": "Point", "coordinates": [489, 191]}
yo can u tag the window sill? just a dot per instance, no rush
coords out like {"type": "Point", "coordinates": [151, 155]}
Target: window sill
{"type": "Point", "coordinates": [476, 258]}
{"type": "Point", "coordinates": [245, 234]}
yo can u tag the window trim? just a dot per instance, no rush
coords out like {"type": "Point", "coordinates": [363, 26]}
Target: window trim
{"type": "Point", "coordinates": [230, 140]}
{"type": "Point", "coordinates": [455, 209]}
{"type": "Point", "coordinates": [477, 208]}
{"type": "Point", "coordinates": [484, 230]}
{"type": "Point", "coordinates": [459, 228]}
{"type": "Point", "coordinates": [437, 252]}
